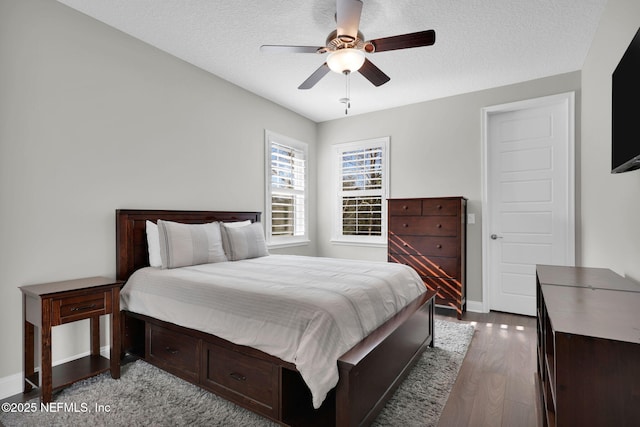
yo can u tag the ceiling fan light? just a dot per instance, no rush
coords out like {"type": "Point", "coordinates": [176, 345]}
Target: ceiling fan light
{"type": "Point", "coordinates": [347, 59]}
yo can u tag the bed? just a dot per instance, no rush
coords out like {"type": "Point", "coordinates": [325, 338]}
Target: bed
{"type": "Point", "coordinates": [368, 372]}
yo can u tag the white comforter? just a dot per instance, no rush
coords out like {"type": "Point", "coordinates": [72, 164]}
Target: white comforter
{"type": "Point", "coordinates": [305, 310]}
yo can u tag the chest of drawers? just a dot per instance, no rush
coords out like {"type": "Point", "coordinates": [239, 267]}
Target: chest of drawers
{"type": "Point", "coordinates": [429, 234]}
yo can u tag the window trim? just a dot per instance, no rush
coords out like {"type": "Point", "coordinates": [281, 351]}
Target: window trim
{"type": "Point", "coordinates": [338, 149]}
{"type": "Point", "coordinates": [284, 241]}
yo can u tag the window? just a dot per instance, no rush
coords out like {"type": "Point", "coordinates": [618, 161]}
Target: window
{"type": "Point", "coordinates": [362, 187]}
{"type": "Point", "coordinates": [286, 190]}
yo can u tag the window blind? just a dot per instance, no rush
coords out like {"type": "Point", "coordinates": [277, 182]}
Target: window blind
{"type": "Point", "coordinates": [287, 190]}
{"type": "Point", "coordinates": [362, 190]}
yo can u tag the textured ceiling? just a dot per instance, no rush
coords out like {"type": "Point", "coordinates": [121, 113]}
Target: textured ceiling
{"type": "Point", "coordinates": [479, 44]}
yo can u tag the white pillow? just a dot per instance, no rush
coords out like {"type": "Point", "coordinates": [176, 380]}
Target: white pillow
{"type": "Point", "coordinates": [153, 242]}
{"type": "Point", "coordinates": [237, 224]}
{"type": "Point", "coordinates": [246, 242]}
{"type": "Point", "coordinates": [189, 244]}
{"type": "Point", "coordinates": [223, 229]}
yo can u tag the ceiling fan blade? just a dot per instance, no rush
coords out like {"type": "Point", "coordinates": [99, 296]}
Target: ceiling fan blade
{"type": "Point", "coordinates": [269, 48]}
{"type": "Point", "coordinates": [348, 17]}
{"type": "Point", "coordinates": [373, 73]}
{"type": "Point", "coordinates": [315, 77]}
{"type": "Point", "coordinates": [404, 41]}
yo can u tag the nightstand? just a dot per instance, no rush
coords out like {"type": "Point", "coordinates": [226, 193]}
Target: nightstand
{"type": "Point", "coordinates": [52, 304]}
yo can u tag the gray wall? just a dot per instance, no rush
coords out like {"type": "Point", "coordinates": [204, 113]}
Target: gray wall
{"type": "Point", "coordinates": [609, 225]}
{"type": "Point", "coordinates": [92, 120]}
{"type": "Point", "coordinates": [436, 150]}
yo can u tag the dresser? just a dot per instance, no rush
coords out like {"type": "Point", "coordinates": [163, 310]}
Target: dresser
{"type": "Point", "coordinates": [588, 330]}
{"type": "Point", "coordinates": [429, 234]}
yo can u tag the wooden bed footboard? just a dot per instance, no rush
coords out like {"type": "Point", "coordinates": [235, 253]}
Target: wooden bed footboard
{"type": "Point", "coordinates": [372, 370]}
{"type": "Point", "coordinates": [369, 372]}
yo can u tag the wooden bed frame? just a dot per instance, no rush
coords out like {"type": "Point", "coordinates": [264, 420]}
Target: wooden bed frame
{"type": "Point", "coordinates": [369, 372]}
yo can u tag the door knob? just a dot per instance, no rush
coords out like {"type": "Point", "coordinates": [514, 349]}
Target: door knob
{"type": "Point", "coordinates": [495, 236]}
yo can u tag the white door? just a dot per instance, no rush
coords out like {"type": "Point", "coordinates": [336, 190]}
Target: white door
{"type": "Point", "coordinates": [529, 197]}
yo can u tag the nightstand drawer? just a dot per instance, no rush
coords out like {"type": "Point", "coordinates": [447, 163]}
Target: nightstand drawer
{"type": "Point", "coordinates": [77, 307]}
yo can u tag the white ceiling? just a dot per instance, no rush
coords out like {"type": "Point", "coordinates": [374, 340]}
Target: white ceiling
{"type": "Point", "coordinates": [479, 44]}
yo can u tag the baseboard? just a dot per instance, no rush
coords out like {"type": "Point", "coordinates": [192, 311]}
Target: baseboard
{"type": "Point", "coordinates": [475, 306]}
{"type": "Point", "coordinates": [12, 384]}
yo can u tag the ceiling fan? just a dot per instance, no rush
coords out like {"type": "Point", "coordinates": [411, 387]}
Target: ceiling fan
{"type": "Point", "coordinates": [347, 47]}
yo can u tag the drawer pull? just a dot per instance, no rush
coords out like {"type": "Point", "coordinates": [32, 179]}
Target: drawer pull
{"type": "Point", "coordinates": [439, 246]}
{"type": "Point", "coordinates": [405, 225]}
{"type": "Point", "coordinates": [439, 226]}
{"type": "Point", "coordinates": [84, 307]}
{"type": "Point", "coordinates": [405, 207]}
{"type": "Point", "coordinates": [172, 350]}
{"type": "Point", "coordinates": [238, 377]}
{"type": "Point", "coordinates": [438, 206]}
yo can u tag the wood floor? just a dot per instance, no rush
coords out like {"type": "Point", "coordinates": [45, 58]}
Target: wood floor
{"type": "Point", "coordinates": [496, 385]}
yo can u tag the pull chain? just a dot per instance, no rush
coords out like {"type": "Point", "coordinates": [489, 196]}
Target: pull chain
{"type": "Point", "coordinates": [347, 89]}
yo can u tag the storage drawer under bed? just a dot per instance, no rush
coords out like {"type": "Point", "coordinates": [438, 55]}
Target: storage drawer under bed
{"type": "Point", "coordinates": [173, 352]}
{"type": "Point", "coordinates": [250, 381]}
{"type": "Point", "coordinates": [242, 378]}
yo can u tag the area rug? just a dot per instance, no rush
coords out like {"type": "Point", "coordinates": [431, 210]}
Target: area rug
{"type": "Point", "coordinates": [147, 396]}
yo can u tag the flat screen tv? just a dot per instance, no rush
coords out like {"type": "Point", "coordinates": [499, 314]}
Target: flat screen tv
{"type": "Point", "coordinates": [625, 120]}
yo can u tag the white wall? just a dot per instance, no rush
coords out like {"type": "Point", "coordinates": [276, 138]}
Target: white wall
{"type": "Point", "coordinates": [92, 120]}
{"type": "Point", "coordinates": [435, 151]}
{"type": "Point", "coordinates": [610, 225]}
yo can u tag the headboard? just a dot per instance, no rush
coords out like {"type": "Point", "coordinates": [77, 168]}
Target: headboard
{"type": "Point", "coordinates": [131, 237]}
